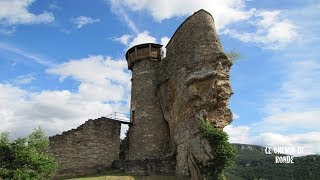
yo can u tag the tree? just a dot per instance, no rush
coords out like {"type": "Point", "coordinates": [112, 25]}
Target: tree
{"type": "Point", "coordinates": [26, 158]}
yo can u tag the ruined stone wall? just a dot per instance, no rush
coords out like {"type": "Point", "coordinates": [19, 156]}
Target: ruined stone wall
{"type": "Point", "coordinates": [90, 148]}
{"type": "Point", "coordinates": [149, 132]}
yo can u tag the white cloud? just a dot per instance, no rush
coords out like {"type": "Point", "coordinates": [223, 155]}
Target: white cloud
{"type": "Point", "coordinates": [235, 116]}
{"type": "Point", "coordinates": [310, 141]}
{"type": "Point", "coordinates": [103, 89]}
{"type": "Point", "coordinates": [54, 5]}
{"type": "Point", "coordinates": [292, 110]}
{"type": "Point", "coordinates": [83, 20]}
{"type": "Point", "coordinates": [17, 12]}
{"type": "Point", "coordinates": [94, 69]}
{"type": "Point", "coordinates": [224, 11]}
{"type": "Point", "coordinates": [30, 56]}
{"type": "Point", "coordinates": [293, 120]}
{"type": "Point", "coordinates": [296, 104]}
{"type": "Point", "coordinates": [124, 39]}
{"type": "Point", "coordinates": [100, 77]}
{"type": "Point", "coordinates": [124, 129]}
{"type": "Point", "coordinates": [141, 38]}
{"type": "Point", "coordinates": [144, 37]}
{"type": "Point", "coordinates": [118, 9]}
{"type": "Point", "coordinates": [272, 31]}
{"type": "Point", "coordinates": [24, 79]}
{"type": "Point", "coordinates": [164, 41]}
{"type": "Point", "coordinates": [238, 134]}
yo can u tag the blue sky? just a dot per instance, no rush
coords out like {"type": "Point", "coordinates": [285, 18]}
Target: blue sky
{"type": "Point", "coordinates": [62, 62]}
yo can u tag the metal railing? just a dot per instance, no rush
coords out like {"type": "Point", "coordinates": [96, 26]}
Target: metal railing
{"type": "Point", "coordinates": [119, 116]}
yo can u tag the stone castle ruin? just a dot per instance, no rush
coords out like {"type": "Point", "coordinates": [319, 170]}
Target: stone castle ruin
{"type": "Point", "coordinates": [169, 97]}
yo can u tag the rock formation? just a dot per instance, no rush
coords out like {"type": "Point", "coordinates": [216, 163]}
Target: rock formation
{"type": "Point", "coordinates": [191, 83]}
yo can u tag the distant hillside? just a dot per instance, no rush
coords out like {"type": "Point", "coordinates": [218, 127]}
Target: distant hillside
{"type": "Point", "coordinates": [252, 163]}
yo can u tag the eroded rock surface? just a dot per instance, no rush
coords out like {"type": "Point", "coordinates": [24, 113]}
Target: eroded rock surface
{"type": "Point", "coordinates": [194, 84]}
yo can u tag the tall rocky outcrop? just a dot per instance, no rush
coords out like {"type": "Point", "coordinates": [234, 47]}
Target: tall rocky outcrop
{"type": "Point", "coordinates": [190, 84]}
{"type": "Point", "coordinates": [194, 84]}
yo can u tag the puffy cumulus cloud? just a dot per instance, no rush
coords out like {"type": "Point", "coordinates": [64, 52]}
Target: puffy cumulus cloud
{"type": "Point", "coordinates": [224, 11]}
{"type": "Point", "coordinates": [141, 38]}
{"type": "Point", "coordinates": [238, 134]}
{"type": "Point", "coordinates": [164, 41]}
{"type": "Point", "coordinates": [16, 12]}
{"type": "Point", "coordinates": [144, 37]}
{"type": "Point", "coordinates": [94, 69]}
{"type": "Point", "coordinates": [268, 28]}
{"type": "Point", "coordinates": [83, 20]}
{"type": "Point", "coordinates": [271, 30]}
{"type": "Point", "coordinates": [104, 88]}
{"type": "Point", "coordinates": [124, 39]}
{"type": "Point", "coordinates": [100, 77]}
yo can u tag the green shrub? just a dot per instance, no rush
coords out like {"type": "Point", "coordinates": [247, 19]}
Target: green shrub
{"type": "Point", "coordinates": [222, 152]}
{"type": "Point", "coordinates": [26, 158]}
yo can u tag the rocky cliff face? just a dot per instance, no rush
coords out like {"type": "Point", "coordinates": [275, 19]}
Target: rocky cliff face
{"type": "Point", "coordinates": [193, 85]}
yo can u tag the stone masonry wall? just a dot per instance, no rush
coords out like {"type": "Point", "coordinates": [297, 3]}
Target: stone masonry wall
{"type": "Point", "coordinates": [149, 135]}
{"type": "Point", "coordinates": [90, 148]}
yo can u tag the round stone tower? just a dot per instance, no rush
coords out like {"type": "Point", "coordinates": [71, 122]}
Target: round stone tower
{"type": "Point", "coordinates": [149, 135]}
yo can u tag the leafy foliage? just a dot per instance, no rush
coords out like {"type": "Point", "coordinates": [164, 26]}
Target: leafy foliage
{"type": "Point", "coordinates": [222, 152]}
{"type": "Point", "coordinates": [26, 158]}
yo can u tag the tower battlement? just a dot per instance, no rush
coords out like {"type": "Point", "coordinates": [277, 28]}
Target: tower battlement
{"type": "Point", "coordinates": [143, 51]}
